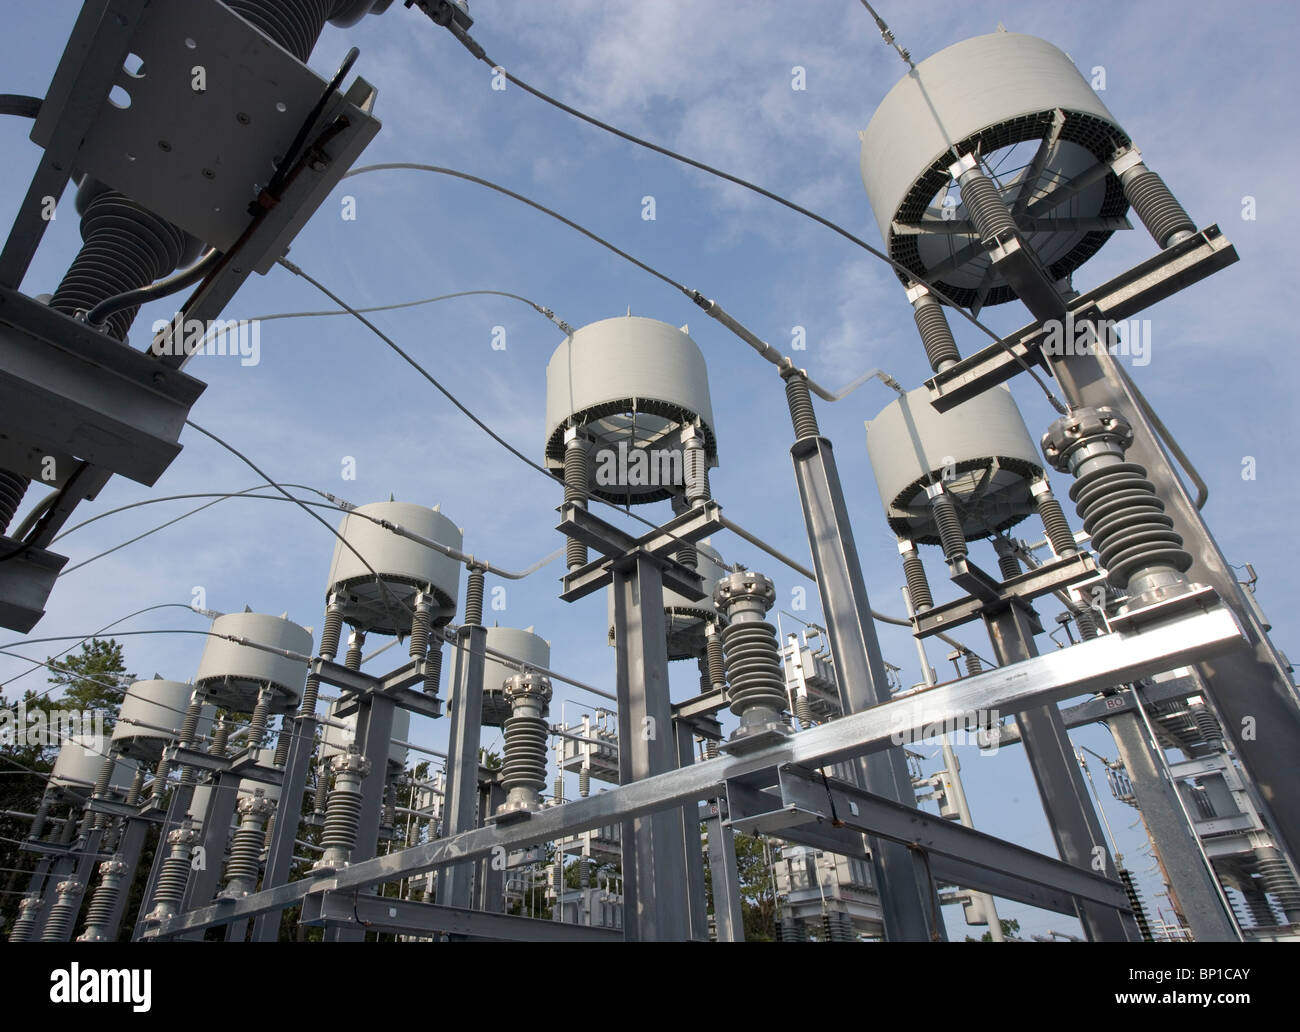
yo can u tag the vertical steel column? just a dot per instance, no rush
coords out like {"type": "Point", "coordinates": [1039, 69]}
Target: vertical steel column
{"type": "Point", "coordinates": [1075, 828]}
{"type": "Point", "coordinates": [728, 914]}
{"type": "Point", "coordinates": [655, 906]}
{"type": "Point", "coordinates": [691, 836]}
{"type": "Point", "coordinates": [129, 848]}
{"type": "Point", "coordinates": [202, 886]}
{"type": "Point", "coordinates": [455, 882]}
{"type": "Point", "coordinates": [1199, 898]}
{"type": "Point", "coordinates": [489, 877]}
{"type": "Point", "coordinates": [907, 898]}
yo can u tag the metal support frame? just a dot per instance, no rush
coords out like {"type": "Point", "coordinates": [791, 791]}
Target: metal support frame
{"type": "Point", "coordinates": [655, 890]}
{"type": "Point", "coordinates": [694, 856]}
{"type": "Point", "coordinates": [1090, 666]}
{"type": "Point", "coordinates": [907, 898]}
{"type": "Point", "coordinates": [1076, 830]}
{"type": "Point", "coordinates": [407, 917]}
{"type": "Point", "coordinates": [455, 885]}
{"type": "Point", "coordinates": [728, 913]}
{"type": "Point", "coordinates": [1251, 686]}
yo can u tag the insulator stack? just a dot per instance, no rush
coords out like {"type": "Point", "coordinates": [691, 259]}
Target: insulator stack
{"type": "Point", "coordinates": [711, 750]}
{"type": "Point", "coordinates": [174, 875]}
{"type": "Point", "coordinates": [1135, 901]}
{"type": "Point", "coordinates": [58, 926]}
{"type": "Point", "coordinates": [753, 658]}
{"type": "Point", "coordinates": [29, 909]}
{"type": "Point", "coordinates": [918, 585]}
{"type": "Point", "coordinates": [282, 741]}
{"type": "Point", "coordinates": [1008, 562]}
{"type": "Point", "coordinates": [124, 247]}
{"type": "Point", "coordinates": [343, 814]}
{"type": "Point", "coordinates": [1086, 620]}
{"type": "Point", "coordinates": [356, 642]}
{"type": "Point", "coordinates": [1156, 206]}
{"type": "Point", "coordinates": [584, 781]}
{"type": "Point", "coordinates": [418, 642]}
{"type": "Point", "coordinates": [1279, 881]}
{"type": "Point", "coordinates": [390, 806]}
{"type": "Point", "coordinates": [474, 597]}
{"type": "Point", "coordinates": [932, 325]}
{"type": "Point", "coordinates": [687, 555]}
{"type": "Point", "coordinates": [42, 814]}
{"type": "Point", "coordinates": [523, 767]}
{"type": "Point", "coordinates": [1258, 906]}
{"type": "Point", "coordinates": [799, 399]}
{"type": "Point", "coordinates": [433, 678]}
{"type": "Point", "coordinates": [245, 862]}
{"type": "Point", "coordinates": [979, 194]}
{"type": "Point", "coordinates": [948, 522]}
{"type": "Point", "coordinates": [1055, 524]}
{"type": "Point", "coordinates": [803, 711]}
{"type": "Point", "coordinates": [220, 738]}
{"type": "Point", "coordinates": [329, 648]}
{"type": "Point", "coordinates": [99, 914]}
{"type": "Point", "coordinates": [584, 871]}
{"type": "Point", "coordinates": [12, 488]}
{"type": "Point", "coordinates": [101, 786]}
{"type": "Point", "coordinates": [257, 722]}
{"type": "Point", "coordinates": [791, 929]}
{"type": "Point", "coordinates": [714, 655]}
{"type": "Point", "coordinates": [270, 830]}
{"type": "Point", "coordinates": [1207, 724]}
{"type": "Point", "coordinates": [695, 468]}
{"type": "Point", "coordinates": [294, 24]}
{"type": "Point", "coordinates": [576, 489]}
{"type": "Point", "coordinates": [188, 731]}
{"type": "Point", "coordinates": [558, 792]}
{"type": "Point", "coordinates": [973, 664]}
{"type": "Point", "coordinates": [1134, 538]}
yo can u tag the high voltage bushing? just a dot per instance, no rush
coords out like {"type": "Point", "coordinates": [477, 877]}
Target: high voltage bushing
{"type": "Point", "coordinates": [584, 781]}
{"type": "Point", "coordinates": [245, 862]}
{"type": "Point", "coordinates": [983, 202]}
{"type": "Point", "coordinates": [343, 814]}
{"type": "Point", "coordinates": [174, 875]}
{"type": "Point", "coordinates": [753, 659]}
{"type": "Point", "coordinates": [99, 914]}
{"type": "Point", "coordinates": [29, 909]}
{"type": "Point", "coordinates": [918, 586]}
{"type": "Point", "coordinates": [577, 484]}
{"type": "Point", "coordinates": [932, 325]}
{"type": "Point", "coordinates": [523, 767]}
{"type": "Point", "coordinates": [1134, 538]}
{"type": "Point", "coordinates": [974, 665]}
{"type": "Point", "coordinates": [58, 926]}
{"type": "Point", "coordinates": [1155, 205]}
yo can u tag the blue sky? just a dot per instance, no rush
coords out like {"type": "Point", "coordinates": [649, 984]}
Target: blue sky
{"type": "Point", "coordinates": [1206, 91]}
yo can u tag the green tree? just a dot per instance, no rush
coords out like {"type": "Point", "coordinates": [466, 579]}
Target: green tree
{"type": "Point", "coordinates": [757, 896]}
{"type": "Point", "coordinates": [1010, 927]}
